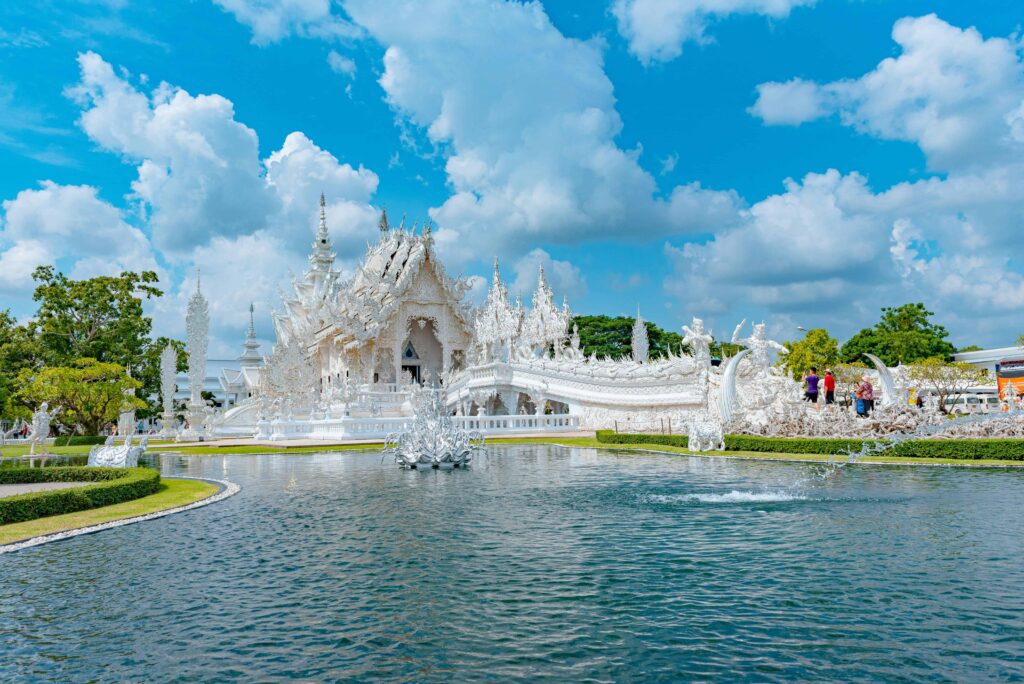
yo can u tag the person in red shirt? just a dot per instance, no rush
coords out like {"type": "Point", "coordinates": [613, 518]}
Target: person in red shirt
{"type": "Point", "coordinates": [830, 387]}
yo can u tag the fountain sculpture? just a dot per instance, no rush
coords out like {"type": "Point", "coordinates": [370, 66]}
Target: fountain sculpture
{"type": "Point", "coordinates": [18, 426]}
{"type": "Point", "coordinates": [112, 456]}
{"type": "Point", "coordinates": [433, 440]}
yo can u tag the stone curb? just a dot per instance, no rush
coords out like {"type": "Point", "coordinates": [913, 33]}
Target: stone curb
{"type": "Point", "coordinates": [227, 489]}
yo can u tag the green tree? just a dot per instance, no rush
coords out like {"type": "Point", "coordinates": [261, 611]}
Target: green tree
{"type": "Point", "coordinates": [946, 381]}
{"type": "Point", "coordinates": [90, 393]}
{"type": "Point", "coordinates": [99, 318]}
{"type": "Point", "coordinates": [817, 349]}
{"type": "Point", "coordinates": [19, 349]}
{"type": "Point", "coordinates": [969, 348]}
{"type": "Point", "coordinates": [1020, 341]}
{"type": "Point", "coordinates": [148, 372]}
{"type": "Point", "coordinates": [903, 335]}
{"type": "Point", "coordinates": [613, 337]}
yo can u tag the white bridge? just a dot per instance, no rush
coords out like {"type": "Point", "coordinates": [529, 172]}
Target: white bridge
{"type": "Point", "coordinates": [598, 393]}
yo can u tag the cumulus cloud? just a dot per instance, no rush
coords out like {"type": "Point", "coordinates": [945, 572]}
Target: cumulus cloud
{"type": "Point", "coordinates": [527, 122]}
{"type": "Point", "coordinates": [658, 29]}
{"type": "Point", "coordinates": [71, 223]}
{"type": "Point", "coordinates": [951, 91]}
{"type": "Point", "coordinates": [200, 175]}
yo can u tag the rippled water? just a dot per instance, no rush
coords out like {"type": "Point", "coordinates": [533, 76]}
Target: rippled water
{"type": "Point", "coordinates": [539, 563]}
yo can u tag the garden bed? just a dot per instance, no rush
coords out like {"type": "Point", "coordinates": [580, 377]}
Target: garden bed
{"type": "Point", "coordinates": [108, 486]}
{"type": "Point", "coordinates": [957, 449]}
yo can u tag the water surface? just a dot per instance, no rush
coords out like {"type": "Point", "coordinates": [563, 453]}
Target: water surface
{"type": "Point", "coordinates": [538, 563]}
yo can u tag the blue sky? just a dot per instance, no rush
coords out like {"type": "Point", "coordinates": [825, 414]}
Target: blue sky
{"type": "Point", "coordinates": [798, 161]}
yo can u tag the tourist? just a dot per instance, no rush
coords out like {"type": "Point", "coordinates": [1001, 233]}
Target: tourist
{"type": "Point", "coordinates": [812, 379]}
{"type": "Point", "coordinates": [867, 394]}
{"type": "Point", "coordinates": [830, 387]}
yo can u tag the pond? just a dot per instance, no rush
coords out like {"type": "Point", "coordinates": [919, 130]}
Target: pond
{"type": "Point", "coordinates": [538, 563]}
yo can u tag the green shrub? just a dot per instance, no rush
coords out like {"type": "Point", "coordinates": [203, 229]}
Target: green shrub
{"type": "Point", "coordinates": [110, 486]}
{"type": "Point", "coordinates": [962, 449]}
{"type": "Point", "coordinates": [79, 440]}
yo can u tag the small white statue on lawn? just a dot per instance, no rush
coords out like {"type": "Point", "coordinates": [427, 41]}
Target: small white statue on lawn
{"type": "Point", "coordinates": [40, 429]}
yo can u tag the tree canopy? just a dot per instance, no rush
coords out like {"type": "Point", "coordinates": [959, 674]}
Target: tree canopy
{"type": "Point", "coordinates": [99, 318]}
{"type": "Point", "coordinates": [817, 349]}
{"type": "Point", "coordinates": [613, 337]}
{"type": "Point", "coordinates": [90, 393]}
{"type": "Point", "coordinates": [903, 335]}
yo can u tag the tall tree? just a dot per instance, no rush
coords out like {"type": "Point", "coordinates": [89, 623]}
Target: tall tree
{"type": "Point", "coordinates": [19, 349]}
{"type": "Point", "coordinates": [816, 350]}
{"type": "Point", "coordinates": [99, 318]}
{"type": "Point", "coordinates": [90, 393]}
{"type": "Point", "coordinates": [613, 337]}
{"type": "Point", "coordinates": [903, 335]}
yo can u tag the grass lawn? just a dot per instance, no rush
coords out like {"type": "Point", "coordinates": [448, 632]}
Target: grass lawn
{"type": "Point", "coordinates": [593, 443]}
{"type": "Point", "coordinates": [173, 493]}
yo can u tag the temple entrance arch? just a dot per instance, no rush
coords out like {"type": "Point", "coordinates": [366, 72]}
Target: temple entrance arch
{"type": "Point", "coordinates": [421, 351]}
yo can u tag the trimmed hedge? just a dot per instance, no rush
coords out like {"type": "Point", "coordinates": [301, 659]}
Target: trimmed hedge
{"type": "Point", "coordinates": [111, 486]}
{"type": "Point", "coordinates": [962, 449]}
{"type": "Point", "coordinates": [79, 440]}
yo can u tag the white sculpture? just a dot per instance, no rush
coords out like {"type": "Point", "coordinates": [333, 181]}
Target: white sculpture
{"type": "Point", "coordinates": [892, 394]}
{"type": "Point", "coordinates": [168, 373]}
{"type": "Point", "coordinates": [39, 430]}
{"type": "Point", "coordinates": [434, 440]}
{"type": "Point", "coordinates": [704, 434]}
{"type": "Point", "coordinates": [111, 456]}
{"type": "Point", "coordinates": [727, 402]}
{"type": "Point", "coordinates": [759, 345]}
{"type": "Point", "coordinates": [640, 343]}
{"type": "Point", "coordinates": [197, 327]}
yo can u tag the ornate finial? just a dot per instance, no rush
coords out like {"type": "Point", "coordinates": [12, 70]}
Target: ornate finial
{"type": "Point", "coordinates": [383, 223]}
{"type": "Point", "coordinates": [198, 281]}
{"type": "Point", "coordinates": [252, 320]}
{"type": "Point", "coordinates": [323, 203]}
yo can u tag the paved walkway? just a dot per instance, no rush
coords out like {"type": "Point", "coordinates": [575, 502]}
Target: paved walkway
{"type": "Point", "coordinates": [285, 443]}
{"type": "Point", "coordinates": [15, 489]}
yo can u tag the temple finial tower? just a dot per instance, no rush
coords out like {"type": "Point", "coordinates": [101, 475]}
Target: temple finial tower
{"type": "Point", "coordinates": [251, 355]}
{"type": "Point", "coordinates": [383, 223]}
{"type": "Point", "coordinates": [322, 258]}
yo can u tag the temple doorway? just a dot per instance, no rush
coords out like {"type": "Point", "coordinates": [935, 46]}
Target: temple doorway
{"type": "Point", "coordinates": [422, 352]}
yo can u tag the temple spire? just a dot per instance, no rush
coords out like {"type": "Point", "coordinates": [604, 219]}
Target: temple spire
{"type": "Point", "coordinates": [322, 258]}
{"type": "Point", "coordinates": [383, 223]}
{"type": "Point", "coordinates": [251, 355]}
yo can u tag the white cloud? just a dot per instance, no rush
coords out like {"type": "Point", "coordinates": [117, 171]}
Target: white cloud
{"type": "Point", "coordinates": [951, 91]}
{"type": "Point", "coordinates": [272, 20]}
{"type": "Point", "coordinates": [658, 29]}
{"type": "Point", "coordinates": [792, 102]}
{"type": "Point", "coordinates": [340, 64]}
{"type": "Point", "coordinates": [565, 279]}
{"type": "Point", "coordinates": [668, 164]}
{"type": "Point", "coordinates": [199, 170]}
{"type": "Point", "coordinates": [71, 223]}
{"type": "Point", "coordinates": [200, 175]}
{"type": "Point", "coordinates": [526, 118]}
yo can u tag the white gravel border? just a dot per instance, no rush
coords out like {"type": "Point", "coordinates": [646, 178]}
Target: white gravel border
{"type": "Point", "coordinates": [227, 489]}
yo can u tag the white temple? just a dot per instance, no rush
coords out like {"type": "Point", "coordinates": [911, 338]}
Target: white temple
{"type": "Point", "coordinates": [349, 351]}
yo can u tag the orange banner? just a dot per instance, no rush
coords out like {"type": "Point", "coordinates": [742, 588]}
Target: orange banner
{"type": "Point", "coordinates": [1004, 384]}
